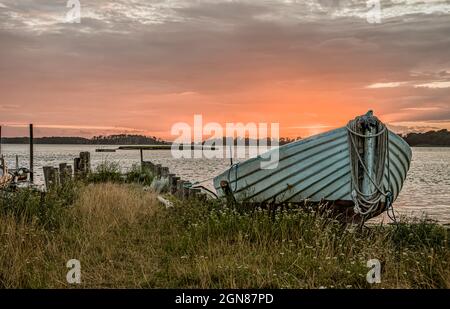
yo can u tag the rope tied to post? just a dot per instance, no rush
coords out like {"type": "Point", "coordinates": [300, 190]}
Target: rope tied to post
{"type": "Point", "coordinates": [367, 183]}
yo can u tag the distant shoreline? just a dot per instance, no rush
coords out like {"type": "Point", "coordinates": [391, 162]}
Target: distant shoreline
{"type": "Point", "coordinates": [439, 138]}
{"type": "Point", "coordinates": [125, 146]}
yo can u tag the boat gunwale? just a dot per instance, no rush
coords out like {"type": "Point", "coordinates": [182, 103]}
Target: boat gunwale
{"type": "Point", "coordinates": [284, 158]}
{"type": "Point", "coordinates": [277, 171]}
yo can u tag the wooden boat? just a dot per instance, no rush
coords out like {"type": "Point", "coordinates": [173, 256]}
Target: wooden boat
{"type": "Point", "coordinates": [327, 168]}
{"type": "Point", "coordinates": [5, 176]}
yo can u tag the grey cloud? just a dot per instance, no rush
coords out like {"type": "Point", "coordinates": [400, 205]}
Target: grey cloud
{"type": "Point", "coordinates": [216, 47]}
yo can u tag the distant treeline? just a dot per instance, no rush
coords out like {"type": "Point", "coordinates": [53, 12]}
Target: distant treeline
{"type": "Point", "coordinates": [120, 139]}
{"type": "Point", "coordinates": [247, 141]}
{"type": "Point", "coordinates": [431, 138]}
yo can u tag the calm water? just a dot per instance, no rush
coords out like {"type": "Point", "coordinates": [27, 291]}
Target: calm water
{"type": "Point", "coordinates": [425, 192]}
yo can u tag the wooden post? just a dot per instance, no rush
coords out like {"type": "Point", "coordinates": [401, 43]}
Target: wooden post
{"type": "Point", "coordinates": [180, 185]}
{"type": "Point", "coordinates": [17, 162]}
{"type": "Point", "coordinates": [2, 163]}
{"type": "Point", "coordinates": [54, 177]}
{"type": "Point", "coordinates": [69, 171]}
{"type": "Point", "coordinates": [142, 159]}
{"type": "Point", "coordinates": [153, 168]}
{"type": "Point", "coordinates": [148, 166]}
{"type": "Point", "coordinates": [194, 192]}
{"type": "Point", "coordinates": [202, 196]}
{"type": "Point", "coordinates": [186, 190]}
{"type": "Point", "coordinates": [85, 163]}
{"type": "Point", "coordinates": [0, 140]}
{"type": "Point", "coordinates": [85, 158]}
{"type": "Point", "coordinates": [50, 177]}
{"type": "Point", "coordinates": [76, 168]}
{"type": "Point", "coordinates": [164, 171]}
{"type": "Point", "coordinates": [46, 174]}
{"type": "Point", "coordinates": [225, 186]}
{"type": "Point", "coordinates": [31, 154]}
{"type": "Point", "coordinates": [158, 170]}
{"type": "Point", "coordinates": [173, 179]}
{"type": "Point", "coordinates": [62, 173]}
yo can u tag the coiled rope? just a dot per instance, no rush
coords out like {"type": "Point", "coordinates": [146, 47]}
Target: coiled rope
{"type": "Point", "coordinates": [368, 203]}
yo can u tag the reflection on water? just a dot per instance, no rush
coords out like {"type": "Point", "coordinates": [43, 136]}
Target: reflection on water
{"type": "Point", "coordinates": [426, 189]}
{"type": "Point", "coordinates": [427, 186]}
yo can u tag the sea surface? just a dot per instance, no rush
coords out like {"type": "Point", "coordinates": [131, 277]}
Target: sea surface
{"type": "Point", "coordinates": [426, 191]}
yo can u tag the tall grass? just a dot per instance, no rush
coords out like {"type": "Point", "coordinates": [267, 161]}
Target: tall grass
{"type": "Point", "coordinates": [104, 172]}
{"type": "Point", "coordinates": [140, 175]}
{"type": "Point", "coordinates": [44, 208]}
{"type": "Point", "coordinates": [108, 171]}
{"type": "Point", "coordinates": [124, 238]}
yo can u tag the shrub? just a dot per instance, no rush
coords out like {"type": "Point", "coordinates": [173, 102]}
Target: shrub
{"type": "Point", "coordinates": [139, 175]}
{"type": "Point", "coordinates": [47, 208]}
{"type": "Point", "coordinates": [106, 172]}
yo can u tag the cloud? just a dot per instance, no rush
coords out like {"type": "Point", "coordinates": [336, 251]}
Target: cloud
{"type": "Point", "coordinates": [434, 85]}
{"type": "Point", "coordinates": [403, 128]}
{"type": "Point", "coordinates": [432, 108]}
{"type": "Point", "coordinates": [385, 85]}
{"type": "Point", "coordinates": [131, 61]}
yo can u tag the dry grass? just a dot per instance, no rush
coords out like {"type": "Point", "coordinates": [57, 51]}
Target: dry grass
{"type": "Point", "coordinates": [124, 238]}
{"type": "Point", "coordinates": [101, 229]}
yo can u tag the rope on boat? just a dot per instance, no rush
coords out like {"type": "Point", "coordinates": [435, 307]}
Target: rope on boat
{"type": "Point", "coordinates": [202, 181]}
{"type": "Point", "coordinates": [236, 167]}
{"type": "Point", "coordinates": [207, 190]}
{"type": "Point", "coordinates": [197, 184]}
{"type": "Point", "coordinates": [368, 203]}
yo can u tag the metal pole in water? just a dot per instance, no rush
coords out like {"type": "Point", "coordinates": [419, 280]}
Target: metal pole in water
{"type": "Point", "coordinates": [31, 154]}
{"type": "Point", "coordinates": [142, 158]}
{"type": "Point", "coordinates": [2, 161]}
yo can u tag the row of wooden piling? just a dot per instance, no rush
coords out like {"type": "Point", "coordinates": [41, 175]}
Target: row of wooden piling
{"type": "Point", "coordinates": [178, 187]}
{"type": "Point", "coordinates": [59, 176]}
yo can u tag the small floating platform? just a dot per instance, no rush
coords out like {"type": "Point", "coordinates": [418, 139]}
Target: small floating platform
{"type": "Point", "coordinates": [164, 147]}
{"type": "Point", "coordinates": [105, 150]}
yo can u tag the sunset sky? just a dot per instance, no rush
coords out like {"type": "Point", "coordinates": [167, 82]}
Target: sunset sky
{"type": "Point", "coordinates": [141, 66]}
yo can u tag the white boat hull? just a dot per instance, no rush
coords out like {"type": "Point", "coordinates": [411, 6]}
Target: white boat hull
{"type": "Point", "coordinates": [314, 169]}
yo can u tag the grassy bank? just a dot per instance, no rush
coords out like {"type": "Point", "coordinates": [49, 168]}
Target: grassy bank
{"type": "Point", "coordinates": [124, 238]}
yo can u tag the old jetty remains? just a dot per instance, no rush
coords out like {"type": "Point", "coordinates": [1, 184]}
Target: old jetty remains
{"type": "Point", "coordinates": [174, 185]}
{"type": "Point", "coordinates": [55, 176]}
